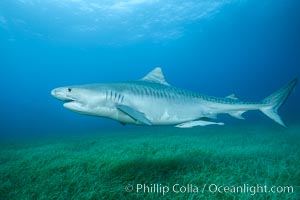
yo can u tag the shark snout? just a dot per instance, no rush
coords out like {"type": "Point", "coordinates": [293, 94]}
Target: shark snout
{"type": "Point", "coordinates": [66, 95]}
{"type": "Point", "coordinates": [53, 92]}
{"type": "Point", "coordinates": [60, 94]}
{"type": "Point", "coordinates": [57, 93]}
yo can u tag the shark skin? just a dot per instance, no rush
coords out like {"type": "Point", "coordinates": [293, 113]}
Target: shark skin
{"type": "Point", "coordinates": [152, 101]}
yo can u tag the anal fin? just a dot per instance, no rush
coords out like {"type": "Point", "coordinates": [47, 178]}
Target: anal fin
{"type": "Point", "coordinates": [123, 123]}
{"type": "Point", "coordinates": [237, 114]}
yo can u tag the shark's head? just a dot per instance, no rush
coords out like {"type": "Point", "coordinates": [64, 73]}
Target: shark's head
{"type": "Point", "coordinates": [83, 100]}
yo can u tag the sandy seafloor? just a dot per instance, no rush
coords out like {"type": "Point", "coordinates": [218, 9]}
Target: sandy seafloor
{"type": "Point", "coordinates": [101, 164]}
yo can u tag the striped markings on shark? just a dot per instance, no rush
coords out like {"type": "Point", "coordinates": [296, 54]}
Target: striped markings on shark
{"type": "Point", "coordinates": [153, 101]}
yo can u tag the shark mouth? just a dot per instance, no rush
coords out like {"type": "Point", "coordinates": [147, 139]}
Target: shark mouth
{"type": "Point", "coordinates": [68, 100]}
{"type": "Point", "coordinates": [73, 105]}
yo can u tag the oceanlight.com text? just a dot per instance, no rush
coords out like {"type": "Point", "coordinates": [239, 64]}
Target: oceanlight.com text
{"type": "Point", "coordinates": [207, 188]}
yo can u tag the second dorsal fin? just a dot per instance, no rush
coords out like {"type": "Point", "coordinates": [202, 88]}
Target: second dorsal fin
{"type": "Point", "coordinates": [232, 96]}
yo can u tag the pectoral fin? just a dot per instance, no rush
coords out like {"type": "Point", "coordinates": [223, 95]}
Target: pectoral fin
{"type": "Point", "coordinates": [197, 123]}
{"type": "Point", "coordinates": [134, 114]}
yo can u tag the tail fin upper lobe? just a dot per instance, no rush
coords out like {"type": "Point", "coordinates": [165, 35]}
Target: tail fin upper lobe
{"type": "Point", "coordinates": [274, 101]}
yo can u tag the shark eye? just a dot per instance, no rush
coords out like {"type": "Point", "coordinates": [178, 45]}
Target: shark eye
{"type": "Point", "coordinates": [69, 89]}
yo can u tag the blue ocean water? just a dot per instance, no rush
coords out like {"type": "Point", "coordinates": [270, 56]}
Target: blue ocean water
{"type": "Point", "coordinates": [215, 47]}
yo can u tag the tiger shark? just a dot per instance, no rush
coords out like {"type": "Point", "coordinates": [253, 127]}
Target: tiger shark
{"type": "Point", "coordinates": [152, 101]}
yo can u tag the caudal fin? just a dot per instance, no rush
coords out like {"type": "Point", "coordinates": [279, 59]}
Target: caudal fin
{"type": "Point", "coordinates": [274, 102]}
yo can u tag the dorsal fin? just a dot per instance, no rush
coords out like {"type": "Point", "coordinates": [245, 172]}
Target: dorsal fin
{"type": "Point", "coordinates": [155, 76]}
{"type": "Point", "coordinates": [232, 96]}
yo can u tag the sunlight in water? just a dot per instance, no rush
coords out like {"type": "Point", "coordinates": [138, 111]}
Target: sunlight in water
{"type": "Point", "coordinates": [136, 20]}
